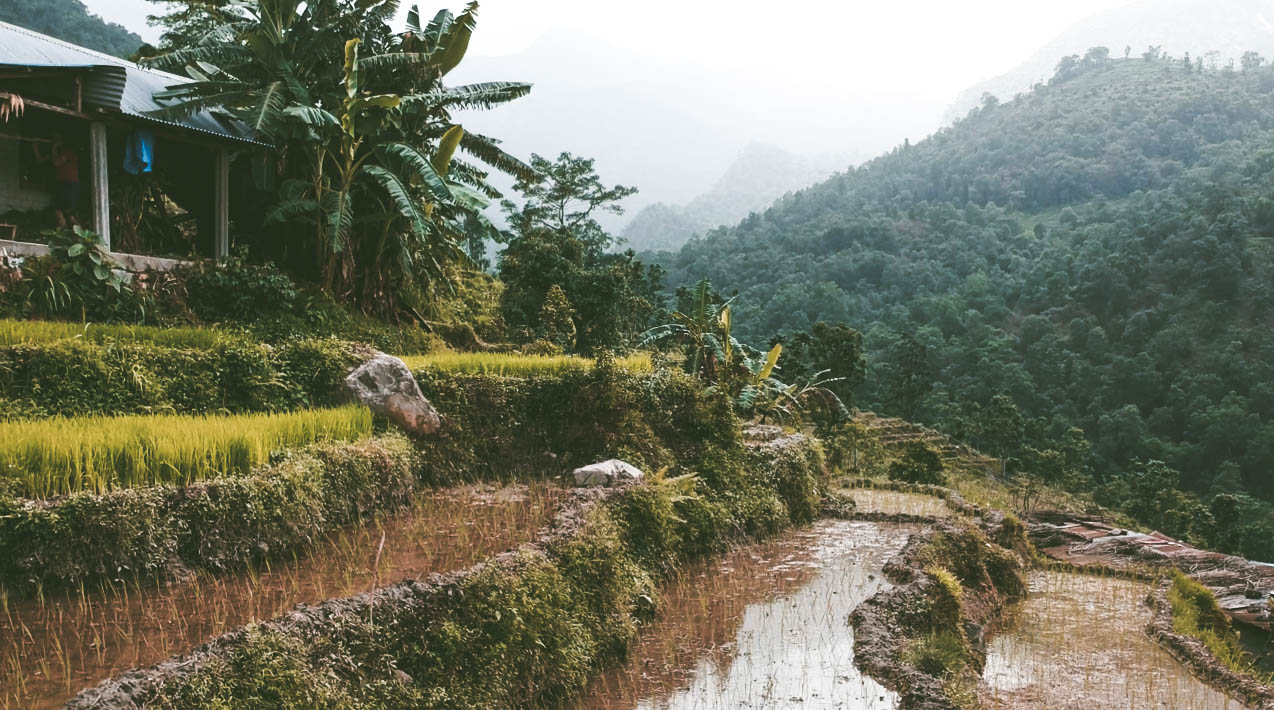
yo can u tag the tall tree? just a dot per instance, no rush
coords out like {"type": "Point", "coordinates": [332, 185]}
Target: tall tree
{"type": "Point", "coordinates": [555, 240]}
{"type": "Point", "coordinates": [912, 378]}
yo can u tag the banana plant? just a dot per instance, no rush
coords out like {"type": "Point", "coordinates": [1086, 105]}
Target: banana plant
{"type": "Point", "coordinates": [698, 329]}
{"type": "Point", "coordinates": [370, 160]}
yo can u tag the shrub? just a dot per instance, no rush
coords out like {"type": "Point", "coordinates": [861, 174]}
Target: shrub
{"type": "Point", "coordinates": [234, 290]}
{"type": "Point", "coordinates": [220, 524]}
{"type": "Point", "coordinates": [919, 463]}
{"type": "Point", "coordinates": [556, 319]}
{"type": "Point", "coordinates": [78, 378]}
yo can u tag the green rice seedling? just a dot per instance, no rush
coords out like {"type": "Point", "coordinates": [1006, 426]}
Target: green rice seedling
{"type": "Point", "coordinates": [137, 622]}
{"type": "Point", "coordinates": [67, 455]}
{"type": "Point", "coordinates": [26, 332]}
{"type": "Point", "coordinates": [515, 365]}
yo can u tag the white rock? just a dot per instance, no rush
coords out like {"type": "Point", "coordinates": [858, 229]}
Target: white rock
{"type": "Point", "coordinates": [607, 473]}
{"type": "Point", "coordinates": [386, 385]}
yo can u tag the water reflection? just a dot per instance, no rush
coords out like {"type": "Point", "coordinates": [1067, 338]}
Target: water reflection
{"type": "Point", "coordinates": [767, 627]}
{"type": "Point", "coordinates": [1078, 643]}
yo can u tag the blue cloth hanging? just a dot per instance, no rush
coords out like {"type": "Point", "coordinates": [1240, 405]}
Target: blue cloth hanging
{"type": "Point", "coordinates": [139, 152]}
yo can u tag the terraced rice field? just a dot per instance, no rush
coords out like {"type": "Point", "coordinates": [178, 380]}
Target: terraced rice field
{"type": "Point", "coordinates": [871, 500]}
{"type": "Point", "coordinates": [53, 646]}
{"type": "Point", "coordinates": [765, 627]}
{"type": "Point", "coordinates": [1077, 643]}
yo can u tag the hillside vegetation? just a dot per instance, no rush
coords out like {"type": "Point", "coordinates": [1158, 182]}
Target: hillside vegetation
{"type": "Point", "coordinates": [1097, 252]}
{"type": "Point", "coordinates": [71, 21]}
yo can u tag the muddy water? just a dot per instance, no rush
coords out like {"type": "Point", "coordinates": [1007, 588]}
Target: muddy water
{"type": "Point", "coordinates": [1078, 643]}
{"type": "Point", "coordinates": [766, 627]}
{"type": "Point", "coordinates": [1260, 644]}
{"type": "Point", "coordinates": [51, 649]}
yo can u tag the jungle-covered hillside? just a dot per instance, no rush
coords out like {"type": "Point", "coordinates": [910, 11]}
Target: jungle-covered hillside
{"type": "Point", "coordinates": [1093, 255]}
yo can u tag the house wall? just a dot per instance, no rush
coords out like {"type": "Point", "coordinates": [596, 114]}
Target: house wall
{"type": "Point", "coordinates": [13, 196]}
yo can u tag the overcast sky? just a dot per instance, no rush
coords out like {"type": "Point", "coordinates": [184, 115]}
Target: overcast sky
{"type": "Point", "coordinates": [936, 47]}
{"type": "Point", "coordinates": [665, 92]}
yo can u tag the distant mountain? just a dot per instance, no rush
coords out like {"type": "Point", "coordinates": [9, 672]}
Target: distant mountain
{"type": "Point", "coordinates": [669, 129]}
{"type": "Point", "coordinates": [70, 21]}
{"type": "Point", "coordinates": [1227, 27]}
{"type": "Point", "coordinates": [759, 176]}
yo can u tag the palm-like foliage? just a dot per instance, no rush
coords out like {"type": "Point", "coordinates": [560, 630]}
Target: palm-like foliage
{"type": "Point", "coordinates": [698, 330]}
{"type": "Point", "coordinates": [745, 374]}
{"type": "Point", "coordinates": [373, 186]}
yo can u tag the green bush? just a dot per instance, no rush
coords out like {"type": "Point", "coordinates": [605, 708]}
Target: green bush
{"type": "Point", "coordinates": [919, 463]}
{"type": "Point", "coordinates": [221, 524]}
{"type": "Point", "coordinates": [77, 378]}
{"type": "Point", "coordinates": [236, 291]}
{"type": "Point", "coordinates": [274, 672]}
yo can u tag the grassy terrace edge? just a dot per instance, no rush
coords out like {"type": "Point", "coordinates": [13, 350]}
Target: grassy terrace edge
{"type": "Point", "coordinates": [154, 531]}
{"type": "Point", "coordinates": [497, 429]}
{"type": "Point", "coordinates": [525, 629]}
{"type": "Point", "coordinates": [1186, 620]}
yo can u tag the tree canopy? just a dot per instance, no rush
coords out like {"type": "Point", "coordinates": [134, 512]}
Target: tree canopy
{"type": "Point", "coordinates": [1095, 254]}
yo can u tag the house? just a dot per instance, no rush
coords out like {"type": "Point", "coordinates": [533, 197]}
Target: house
{"type": "Point", "coordinates": [102, 107]}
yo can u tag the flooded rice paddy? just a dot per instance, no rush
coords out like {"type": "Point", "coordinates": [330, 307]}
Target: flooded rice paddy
{"type": "Point", "coordinates": [765, 627]}
{"type": "Point", "coordinates": [52, 647]}
{"type": "Point", "coordinates": [1077, 643]}
{"type": "Point", "coordinates": [871, 500]}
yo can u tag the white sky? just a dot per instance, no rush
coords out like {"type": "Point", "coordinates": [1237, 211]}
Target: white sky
{"type": "Point", "coordinates": [937, 47]}
{"type": "Point", "coordinates": [664, 93]}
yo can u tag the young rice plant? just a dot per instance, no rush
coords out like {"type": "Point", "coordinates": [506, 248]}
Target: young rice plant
{"type": "Point", "coordinates": [66, 455]}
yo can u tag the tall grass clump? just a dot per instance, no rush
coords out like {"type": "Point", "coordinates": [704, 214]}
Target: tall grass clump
{"type": "Point", "coordinates": [28, 332]}
{"type": "Point", "coordinates": [67, 455]}
{"type": "Point", "coordinates": [515, 365]}
{"type": "Point", "coordinates": [1195, 613]}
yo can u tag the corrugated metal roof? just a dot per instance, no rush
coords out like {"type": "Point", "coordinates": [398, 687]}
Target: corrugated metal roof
{"type": "Point", "coordinates": [110, 82]}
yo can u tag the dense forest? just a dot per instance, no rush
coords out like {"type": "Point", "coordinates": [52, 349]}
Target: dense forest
{"type": "Point", "coordinates": [69, 20]}
{"type": "Point", "coordinates": [1095, 256]}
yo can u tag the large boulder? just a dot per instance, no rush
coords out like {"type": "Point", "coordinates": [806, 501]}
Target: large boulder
{"type": "Point", "coordinates": [607, 473]}
{"type": "Point", "coordinates": [387, 387]}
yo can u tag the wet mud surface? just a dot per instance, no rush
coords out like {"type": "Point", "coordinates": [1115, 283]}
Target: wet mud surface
{"type": "Point", "coordinates": [1078, 642]}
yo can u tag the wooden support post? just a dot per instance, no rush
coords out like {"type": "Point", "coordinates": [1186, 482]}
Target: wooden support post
{"type": "Point", "coordinates": [221, 205]}
{"type": "Point", "coordinates": [101, 183]}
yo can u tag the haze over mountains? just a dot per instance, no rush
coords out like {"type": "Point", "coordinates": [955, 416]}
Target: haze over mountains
{"type": "Point", "coordinates": [759, 176]}
{"type": "Point", "coordinates": [1227, 27]}
{"type": "Point", "coordinates": [673, 131]}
